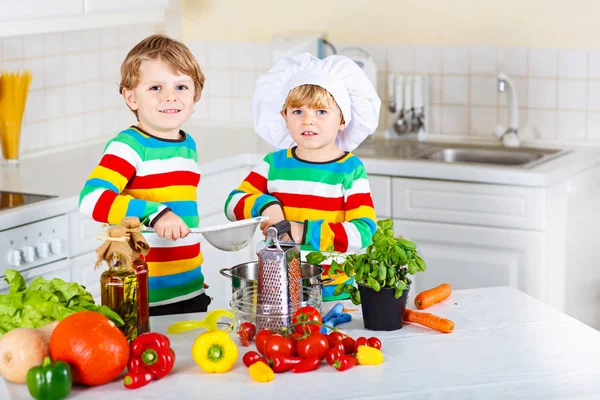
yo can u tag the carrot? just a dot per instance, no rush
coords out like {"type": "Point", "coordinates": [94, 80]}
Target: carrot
{"type": "Point", "coordinates": [429, 320]}
{"type": "Point", "coordinates": [433, 296]}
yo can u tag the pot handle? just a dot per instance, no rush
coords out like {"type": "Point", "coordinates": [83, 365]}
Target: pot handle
{"type": "Point", "coordinates": [226, 272]}
{"type": "Point", "coordinates": [324, 282]}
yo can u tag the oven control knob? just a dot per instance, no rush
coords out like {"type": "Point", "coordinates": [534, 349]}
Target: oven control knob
{"type": "Point", "coordinates": [14, 258]}
{"type": "Point", "coordinates": [29, 254]}
{"type": "Point", "coordinates": [56, 246]}
{"type": "Point", "coordinates": [43, 249]}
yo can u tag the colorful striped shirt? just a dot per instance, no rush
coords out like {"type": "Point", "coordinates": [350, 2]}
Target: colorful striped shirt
{"type": "Point", "coordinates": [144, 176]}
{"type": "Point", "coordinates": [332, 199]}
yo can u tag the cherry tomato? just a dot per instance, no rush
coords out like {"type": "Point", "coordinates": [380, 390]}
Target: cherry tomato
{"type": "Point", "coordinates": [349, 345]}
{"type": "Point", "coordinates": [250, 358]}
{"type": "Point", "coordinates": [375, 342]}
{"type": "Point", "coordinates": [361, 341]}
{"type": "Point", "coordinates": [336, 340]}
{"type": "Point", "coordinates": [306, 314]}
{"type": "Point", "coordinates": [333, 355]}
{"type": "Point", "coordinates": [261, 339]}
{"type": "Point", "coordinates": [314, 345]}
{"type": "Point", "coordinates": [246, 333]}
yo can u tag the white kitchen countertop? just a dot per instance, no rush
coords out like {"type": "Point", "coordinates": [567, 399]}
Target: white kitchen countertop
{"type": "Point", "coordinates": [63, 174]}
{"type": "Point", "coordinates": [506, 345]}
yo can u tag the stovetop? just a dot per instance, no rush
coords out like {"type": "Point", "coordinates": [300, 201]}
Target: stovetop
{"type": "Point", "coordinates": [12, 199]}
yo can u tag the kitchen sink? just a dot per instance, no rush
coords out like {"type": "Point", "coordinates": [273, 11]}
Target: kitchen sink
{"type": "Point", "coordinates": [520, 157]}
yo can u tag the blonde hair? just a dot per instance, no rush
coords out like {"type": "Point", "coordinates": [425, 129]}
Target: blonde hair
{"type": "Point", "coordinates": [312, 96]}
{"type": "Point", "coordinates": [175, 54]}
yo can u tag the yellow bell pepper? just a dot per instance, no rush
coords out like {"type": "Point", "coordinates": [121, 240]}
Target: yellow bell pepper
{"type": "Point", "coordinates": [369, 355]}
{"type": "Point", "coordinates": [215, 352]}
{"type": "Point", "coordinates": [261, 372]}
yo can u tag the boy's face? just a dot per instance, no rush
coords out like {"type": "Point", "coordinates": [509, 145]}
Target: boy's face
{"type": "Point", "coordinates": [314, 129]}
{"type": "Point", "coordinates": [163, 100]}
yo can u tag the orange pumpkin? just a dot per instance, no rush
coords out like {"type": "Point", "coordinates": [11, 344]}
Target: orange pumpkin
{"type": "Point", "coordinates": [93, 345]}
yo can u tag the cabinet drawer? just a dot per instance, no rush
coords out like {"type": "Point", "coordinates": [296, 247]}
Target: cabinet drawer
{"type": "Point", "coordinates": [381, 192]}
{"type": "Point", "coordinates": [468, 203]}
{"type": "Point", "coordinates": [83, 272]}
{"type": "Point", "coordinates": [82, 233]}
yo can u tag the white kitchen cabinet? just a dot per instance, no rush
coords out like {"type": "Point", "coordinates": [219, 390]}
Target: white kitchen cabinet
{"type": "Point", "coordinates": [473, 256]}
{"type": "Point", "coordinates": [28, 17]}
{"type": "Point", "coordinates": [381, 193]}
{"type": "Point", "coordinates": [83, 272]}
{"type": "Point", "coordinates": [83, 232]}
{"type": "Point", "coordinates": [26, 9]}
{"type": "Point", "coordinates": [103, 6]}
{"type": "Point", "coordinates": [58, 269]}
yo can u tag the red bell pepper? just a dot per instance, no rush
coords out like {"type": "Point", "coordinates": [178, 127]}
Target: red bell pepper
{"type": "Point", "coordinates": [150, 353]}
{"type": "Point", "coordinates": [333, 355]}
{"type": "Point", "coordinates": [336, 340]}
{"type": "Point", "coordinates": [345, 362]}
{"type": "Point", "coordinates": [282, 363]}
{"type": "Point", "coordinates": [349, 345]}
{"type": "Point", "coordinates": [308, 364]}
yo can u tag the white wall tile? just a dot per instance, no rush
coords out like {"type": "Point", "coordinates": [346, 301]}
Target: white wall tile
{"type": "Point", "coordinates": [401, 59]}
{"type": "Point", "coordinates": [543, 63]}
{"type": "Point", "coordinates": [54, 43]}
{"type": "Point", "coordinates": [542, 93]}
{"type": "Point", "coordinates": [483, 120]}
{"type": "Point", "coordinates": [92, 96]}
{"type": "Point", "coordinates": [263, 56]}
{"type": "Point", "coordinates": [74, 129]}
{"type": "Point", "coordinates": [218, 55]}
{"type": "Point", "coordinates": [35, 108]}
{"type": "Point", "coordinates": [74, 99]}
{"type": "Point", "coordinates": [572, 64]}
{"type": "Point", "coordinates": [435, 119]}
{"type": "Point", "coordinates": [512, 61]}
{"type": "Point", "coordinates": [110, 122]}
{"type": "Point", "coordinates": [543, 123]}
{"type": "Point", "coordinates": [54, 73]}
{"type": "Point", "coordinates": [92, 39]}
{"type": "Point", "coordinates": [593, 126]}
{"type": "Point", "coordinates": [126, 36]}
{"type": "Point", "coordinates": [483, 91]}
{"type": "Point", "coordinates": [219, 110]}
{"type": "Point", "coordinates": [12, 47]}
{"type": "Point", "coordinates": [455, 120]}
{"type": "Point", "coordinates": [243, 83]}
{"type": "Point", "coordinates": [435, 89]}
{"type": "Point", "coordinates": [92, 125]}
{"type": "Point", "coordinates": [242, 55]}
{"type": "Point", "coordinates": [572, 95]}
{"type": "Point", "coordinates": [33, 46]}
{"type": "Point", "coordinates": [242, 111]}
{"type": "Point", "coordinates": [220, 82]}
{"type": "Point", "coordinates": [455, 90]}
{"type": "Point", "coordinates": [55, 102]}
{"type": "Point", "coordinates": [12, 65]}
{"type": "Point", "coordinates": [571, 125]}
{"type": "Point", "coordinates": [483, 60]}
{"type": "Point", "coordinates": [379, 52]}
{"type": "Point", "coordinates": [36, 66]}
{"type": "Point", "coordinates": [56, 132]}
{"type": "Point", "coordinates": [428, 59]}
{"type": "Point", "coordinates": [200, 52]}
{"type": "Point", "coordinates": [73, 41]}
{"type": "Point", "coordinates": [108, 38]}
{"type": "Point", "coordinates": [110, 64]}
{"type": "Point", "coordinates": [522, 117]}
{"type": "Point", "coordinates": [110, 97]}
{"type": "Point", "coordinates": [594, 95]}
{"type": "Point", "coordinates": [594, 64]}
{"type": "Point", "coordinates": [91, 66]}
{"type": "Point", "coordinates": [73, 69]}
{"type": "Point", "coordinates": [456, 60]}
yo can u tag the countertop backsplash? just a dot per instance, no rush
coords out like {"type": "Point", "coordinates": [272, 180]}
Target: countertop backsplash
{"type": "Point", "coordinates": [74, 93]}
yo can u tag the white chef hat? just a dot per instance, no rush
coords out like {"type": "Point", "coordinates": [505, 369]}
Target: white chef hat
{"type": "Point", "coordinates": [339, 75]}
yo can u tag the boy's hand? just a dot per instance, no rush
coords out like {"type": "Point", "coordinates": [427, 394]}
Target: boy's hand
{"type": "Point", "coordinates": [170, 226]}
{"type": "Point", "coordinates": [297, 231]}
{"type": "Point", "coordinates": [275, 214]}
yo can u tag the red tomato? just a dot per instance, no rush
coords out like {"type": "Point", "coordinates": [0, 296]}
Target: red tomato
{"type": "Point", "coordinates": [261, 339]}
{"type": "Point", "coordinates": [349, 345]}
{"type": "Point", "coordinates": [277, 344]}
{"type": "Point", "coordinates": [375, 342]}
{"type": "Point", "coordinates": [361, 341]}
{"type": "Point", "coordinates": [250, 358]}
{"type": "Point", "coordinates": [336, 341]}
{"type": "Point", "coordinates": [306, 314]}
{"type": "Point", "coordinates": [314, 345]}
{"type": "Point", "coordinates": [246, 333]}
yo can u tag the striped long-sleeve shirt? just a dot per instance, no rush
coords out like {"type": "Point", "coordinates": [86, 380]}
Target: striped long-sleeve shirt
{"type": "Point", "coordinates": [332, 199]}
{"type": "Point", "coordinates": [144, 176]}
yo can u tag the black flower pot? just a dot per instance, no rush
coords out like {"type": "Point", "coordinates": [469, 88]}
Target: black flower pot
{"type": "Point", "coordinates": [382, 311]}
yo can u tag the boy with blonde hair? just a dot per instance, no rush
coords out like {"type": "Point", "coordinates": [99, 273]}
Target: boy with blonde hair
{"type": "Point", "coordinates": [150, 171]}
{"type": "Point", "coordinates": [317, 112]}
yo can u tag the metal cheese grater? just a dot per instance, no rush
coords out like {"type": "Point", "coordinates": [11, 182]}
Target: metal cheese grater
{"type": "Point", "coordinates": [279, 279]}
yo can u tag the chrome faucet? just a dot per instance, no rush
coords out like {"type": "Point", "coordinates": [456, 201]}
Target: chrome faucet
{"type": "Point", "coordinates": [509, 136]}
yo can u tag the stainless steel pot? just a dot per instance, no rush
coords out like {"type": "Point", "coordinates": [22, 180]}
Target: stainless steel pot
{"type": "Point", "coordinates": [245, 275]}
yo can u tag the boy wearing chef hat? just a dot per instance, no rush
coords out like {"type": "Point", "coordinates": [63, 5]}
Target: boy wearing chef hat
{"type": "Point", "coordinates": [315, 112]}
